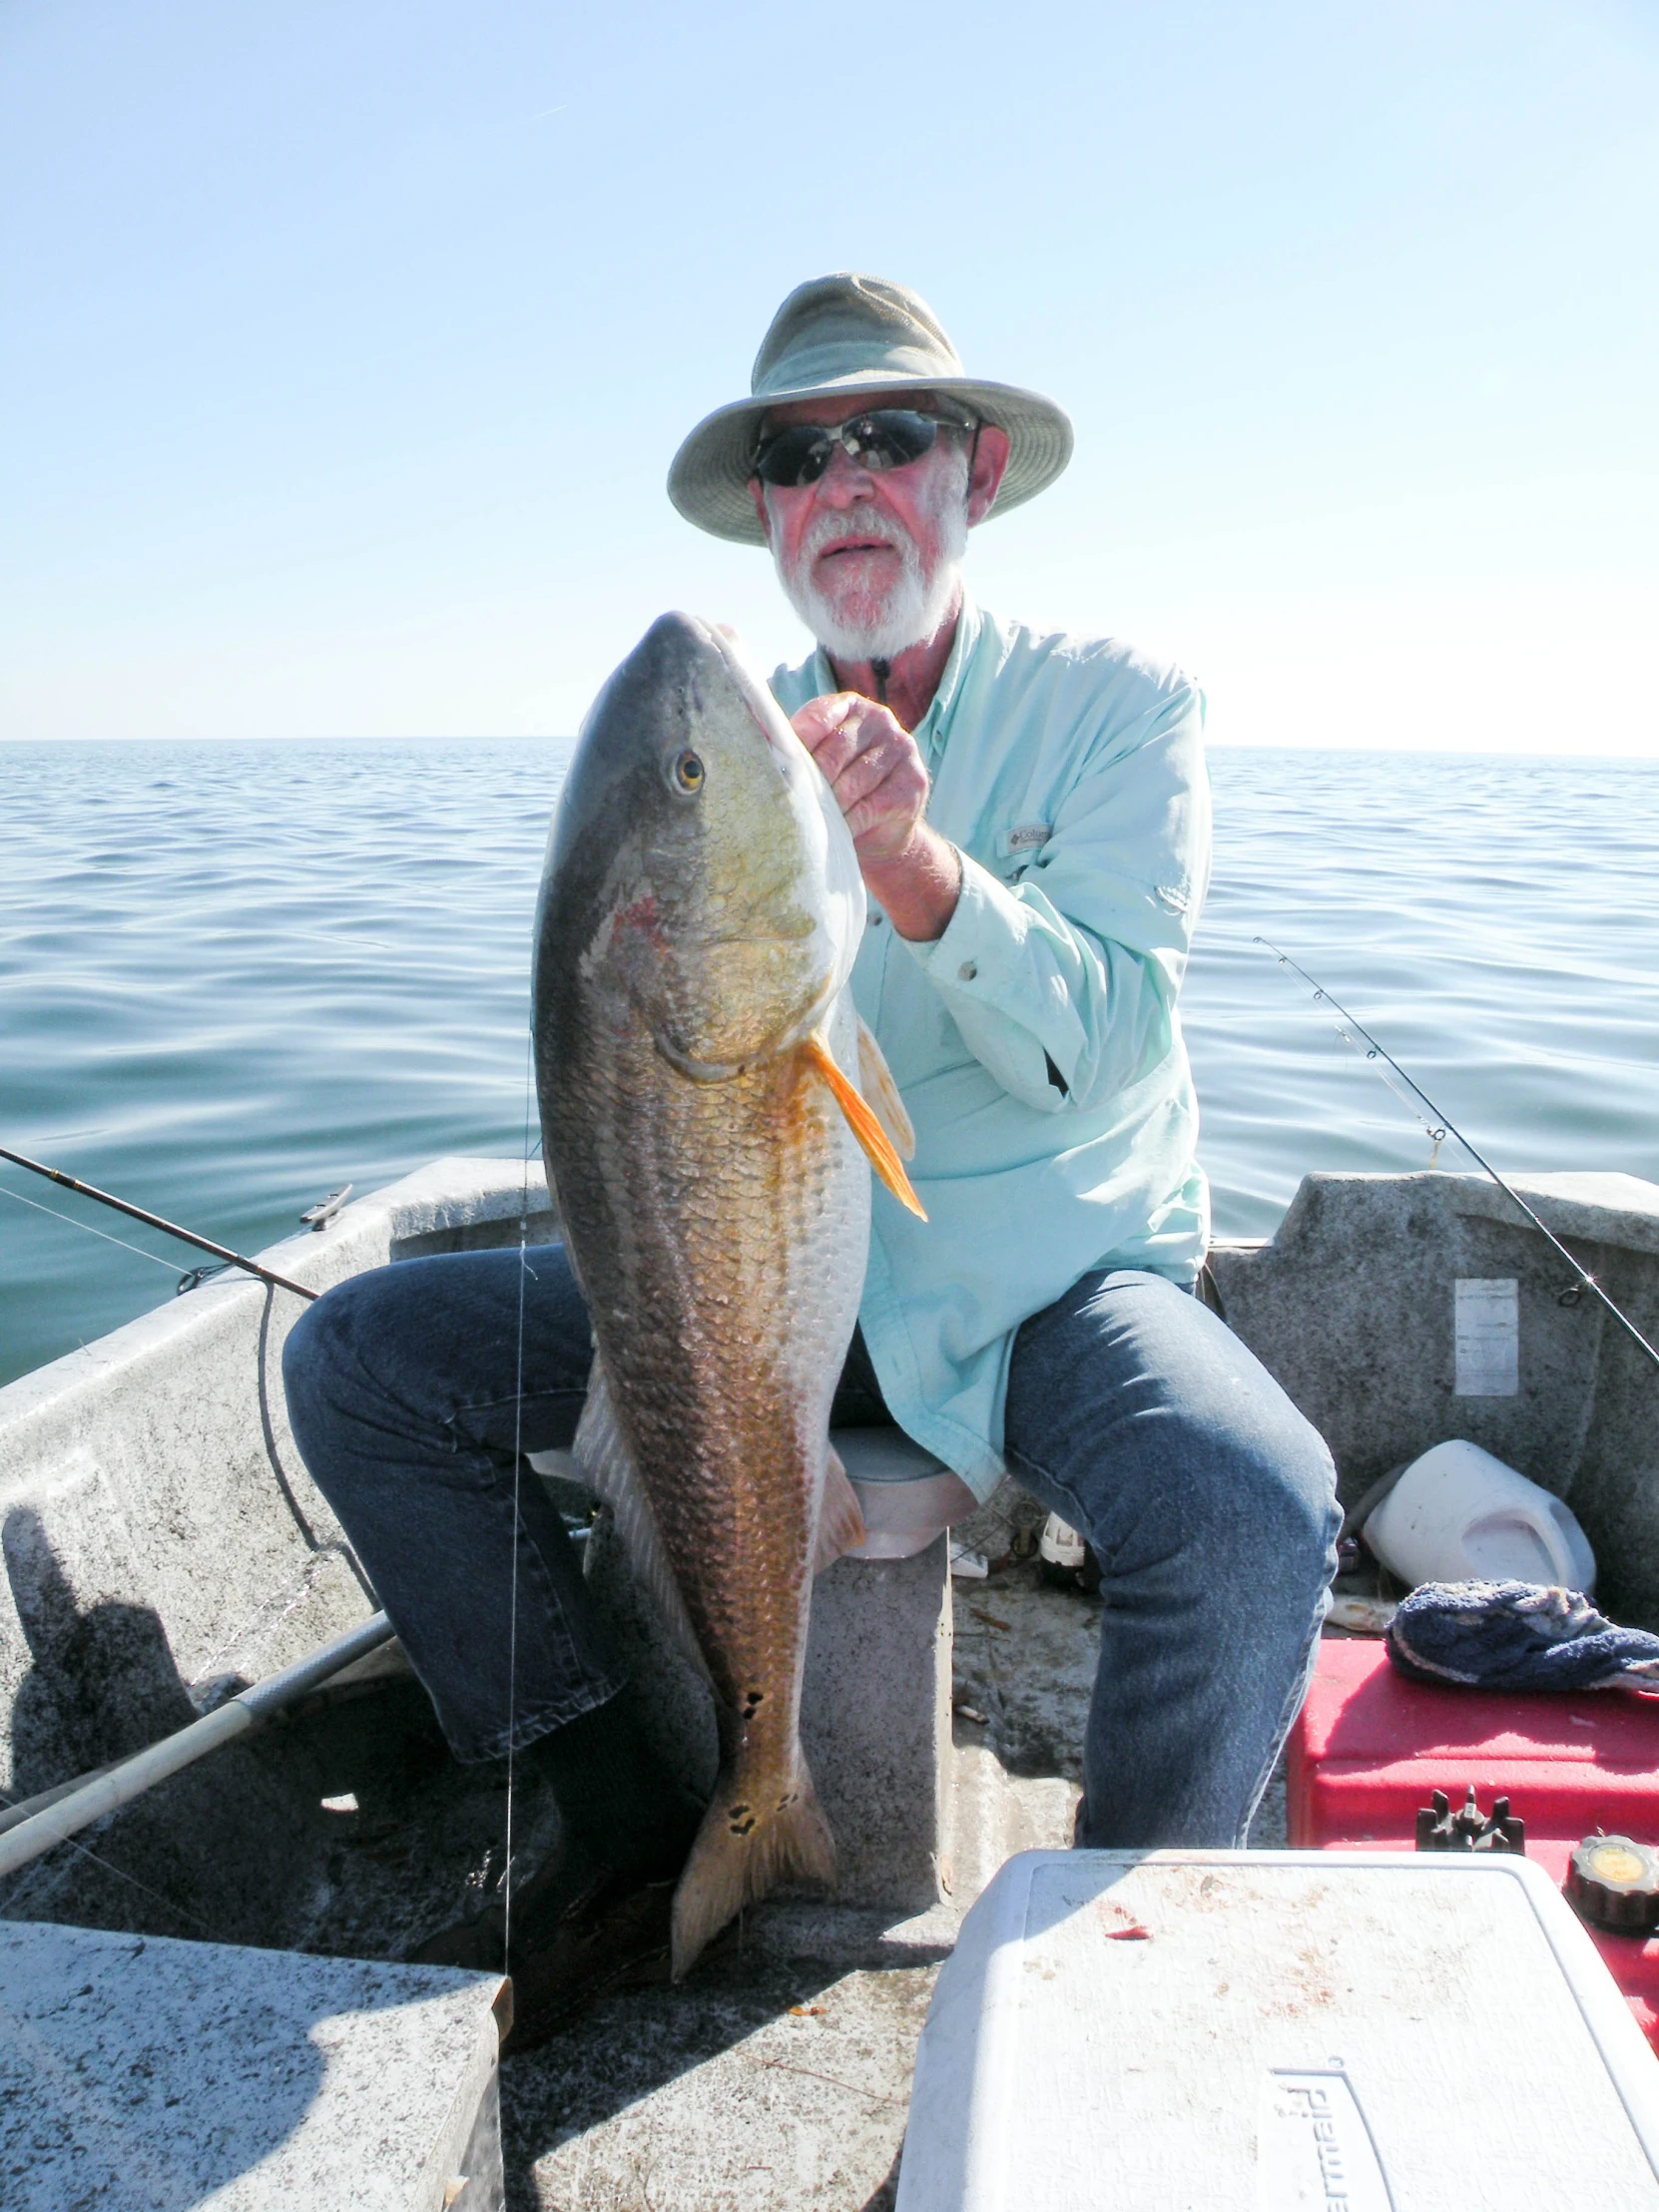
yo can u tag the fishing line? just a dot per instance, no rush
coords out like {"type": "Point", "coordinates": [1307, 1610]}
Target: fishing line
{"type": "Point", "coordinates": [1447, 1127]}
{"type": "Point", "coordinates": [153, 1220]}
{"type": "Point", "coordinates": [108, 1866]}
{"type": "Point", "coordinates": [518, 1477]}
{"type": "Point", "coordinates": [18, 1199]}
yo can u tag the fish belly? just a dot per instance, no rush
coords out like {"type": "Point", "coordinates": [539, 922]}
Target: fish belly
{"type": "Point", "coordinates": [720, 1232]}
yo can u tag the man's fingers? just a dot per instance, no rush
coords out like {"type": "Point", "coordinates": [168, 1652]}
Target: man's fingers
{"type": "Point", "coordinates": [836, 751]}
{"type": "Point", "coordinates": [870, 768]}
{"type": "Point", "coordinates": [830, 707]}
{"type": "Point", "coordinates": [872, 765]}
{"type": "Point", "coordinates": [822, 719]}
{"type": "Point", "coordinates": [837, 727]}
{"type": "Point", "coordinates": [883, 817]}
{"type": "Point", "coordinates": [843, 728]}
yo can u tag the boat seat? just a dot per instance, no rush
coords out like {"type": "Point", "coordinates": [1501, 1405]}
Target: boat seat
{"type": "Point", "coordinates": [908, 1495]}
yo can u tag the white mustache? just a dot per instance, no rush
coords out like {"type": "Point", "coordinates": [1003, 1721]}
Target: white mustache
{"type": "Point", "coordinates": [832, 529]}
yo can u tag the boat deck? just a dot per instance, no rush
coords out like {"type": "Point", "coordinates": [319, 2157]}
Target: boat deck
{"type": "Point", "coordinates": [162, 1546]}
{"type": "Point", "coordinates": [778, 2074]}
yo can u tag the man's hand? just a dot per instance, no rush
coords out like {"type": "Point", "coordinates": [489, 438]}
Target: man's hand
{"type": "Point", "coordinates": [870, 763]}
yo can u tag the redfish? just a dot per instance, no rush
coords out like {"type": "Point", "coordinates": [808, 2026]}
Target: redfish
{"type": "Point", "coordinates": [711, 1107]}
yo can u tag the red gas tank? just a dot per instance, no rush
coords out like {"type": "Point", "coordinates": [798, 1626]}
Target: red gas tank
{"type": "Point", "coordinates": [1371, 1748]}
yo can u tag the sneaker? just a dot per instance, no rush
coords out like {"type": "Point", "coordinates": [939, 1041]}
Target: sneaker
{"type": "Point", "coordinates": [1061, 1546]}
{"type": "Point", "coordinates": [1065, 1560]}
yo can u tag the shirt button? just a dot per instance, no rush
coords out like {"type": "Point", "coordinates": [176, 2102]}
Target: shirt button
{"type": "Point", "coordinates": [968, 971]}
{"type": "Point", "coordinates": [873, 921]}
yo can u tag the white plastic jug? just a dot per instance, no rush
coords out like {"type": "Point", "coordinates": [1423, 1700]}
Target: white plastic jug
{"type": "Point", "coordinates": [1458, 1515]}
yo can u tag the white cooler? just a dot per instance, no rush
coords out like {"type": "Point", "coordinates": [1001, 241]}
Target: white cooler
{"type": "Point", "coordinates": [1267, 2032]}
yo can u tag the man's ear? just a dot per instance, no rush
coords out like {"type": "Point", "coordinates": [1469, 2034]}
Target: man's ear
{"type": "Point", "coordinates": [758, 492]}
{"type": "Point", "coordinates": [989, 464]}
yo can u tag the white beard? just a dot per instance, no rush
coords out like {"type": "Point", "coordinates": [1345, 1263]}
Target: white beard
{"type": "Point", "coordinates": [879, 626]}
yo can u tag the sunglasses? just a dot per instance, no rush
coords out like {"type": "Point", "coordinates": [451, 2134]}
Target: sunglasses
{"type": "Point", "coordinates": [887, 437]}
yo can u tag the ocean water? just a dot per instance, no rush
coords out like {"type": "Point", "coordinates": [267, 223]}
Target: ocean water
{"type": "Point", "coordinates": [234, 977]}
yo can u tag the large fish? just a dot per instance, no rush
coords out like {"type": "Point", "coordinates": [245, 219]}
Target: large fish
{"type": "Point", "coordinates": [709, 1100]}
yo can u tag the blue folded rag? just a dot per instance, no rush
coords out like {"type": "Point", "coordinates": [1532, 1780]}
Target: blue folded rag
{"type": "Point", "coordinates": [1517, 1636]}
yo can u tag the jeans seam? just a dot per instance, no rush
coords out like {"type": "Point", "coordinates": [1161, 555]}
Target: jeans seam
{"type": "Point", "coordinates": [461, 1442]}
{"type": "Point", "coordinates": [538, 1583]}
{"type": "Point", "coordinates": [515, 1398]}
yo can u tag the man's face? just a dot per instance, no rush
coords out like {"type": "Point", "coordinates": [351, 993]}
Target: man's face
{"type": "Point", "coordinates": [870, 558]}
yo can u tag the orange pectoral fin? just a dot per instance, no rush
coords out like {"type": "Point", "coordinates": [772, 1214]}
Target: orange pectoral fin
{"type": "Point", "coordinates": [864, 1126]}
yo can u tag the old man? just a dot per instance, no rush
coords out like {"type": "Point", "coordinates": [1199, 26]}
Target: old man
{"type": "Point", "coordinates": [1031, 817]}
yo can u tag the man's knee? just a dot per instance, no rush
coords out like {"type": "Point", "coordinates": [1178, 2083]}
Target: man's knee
{"type": "Point", "coordinates": [444, 1316]}
{"type": "Point", "coordinates": [1281, 1485]}
{"type": "Point", "coordinates": [321, 1347]}
{"type": "Point", "coordinates": [380, 1343]}
{"type": "Point", "coordinates": [1234, 1478]}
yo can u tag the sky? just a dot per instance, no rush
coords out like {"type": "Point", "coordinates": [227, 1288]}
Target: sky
{"type": "Point", "coordinates": [345, 344]}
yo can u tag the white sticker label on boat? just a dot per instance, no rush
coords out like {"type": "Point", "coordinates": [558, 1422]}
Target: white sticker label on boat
{"type": "Point", "coordinates": [1488, 1337]}
{"type": "Point", "coordinates": [1314, 2147]}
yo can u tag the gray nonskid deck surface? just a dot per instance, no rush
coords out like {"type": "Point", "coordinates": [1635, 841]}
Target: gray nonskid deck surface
{"type": "Point", "coordinates": [139, 2073]}
{"type": "Point", "coordinates": [777, 2078]}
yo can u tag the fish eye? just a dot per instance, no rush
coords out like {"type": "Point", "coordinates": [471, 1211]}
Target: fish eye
{"type": "Point", "coordinates": [687, 771]}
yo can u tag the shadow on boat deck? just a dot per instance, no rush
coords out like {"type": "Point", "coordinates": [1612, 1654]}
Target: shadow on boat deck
{"type": "Point", "coordinates": [776, 2074]}
{"type": "Point", "coordinates": [345, 1829]}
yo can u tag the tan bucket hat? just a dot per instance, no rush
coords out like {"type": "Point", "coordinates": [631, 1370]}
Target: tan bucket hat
{"type": "Point", "coordinates": [847, 334]}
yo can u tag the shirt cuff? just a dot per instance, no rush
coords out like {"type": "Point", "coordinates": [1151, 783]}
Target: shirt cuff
{"type": "Point", "coordinates": [977, 960]}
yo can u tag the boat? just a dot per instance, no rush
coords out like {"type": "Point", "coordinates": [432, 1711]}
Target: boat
{"type": "Point", "coordinates": [165, 1550]}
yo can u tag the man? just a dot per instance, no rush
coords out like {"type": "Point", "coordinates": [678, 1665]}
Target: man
{"type": "Point", "coordinates": [1030, 815]}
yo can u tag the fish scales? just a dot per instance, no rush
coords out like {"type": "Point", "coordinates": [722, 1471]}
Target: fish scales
{"type": "Point", "coordinates": [700, 913]}
{"type": "Point", "coordinates": [713, 1338]}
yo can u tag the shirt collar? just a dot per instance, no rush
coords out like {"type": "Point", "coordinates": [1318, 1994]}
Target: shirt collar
{"type": "Point", "coordinates": [969, 623]}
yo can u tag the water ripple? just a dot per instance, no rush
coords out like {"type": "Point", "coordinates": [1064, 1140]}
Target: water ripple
{"type": "Point", "coordinates": [234, 977]}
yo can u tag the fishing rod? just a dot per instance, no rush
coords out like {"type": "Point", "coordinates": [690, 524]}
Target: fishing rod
{"type": "Point", "coordinates": [155, 1221]}
{"type": "Point", "coordinates": [1444, 1126]}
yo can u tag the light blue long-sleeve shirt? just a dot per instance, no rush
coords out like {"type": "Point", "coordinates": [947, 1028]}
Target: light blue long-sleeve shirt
{"type": "Point", "coordinates": [1036, 1043]}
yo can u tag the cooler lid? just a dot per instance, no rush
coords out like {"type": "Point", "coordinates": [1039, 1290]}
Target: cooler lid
{"type": "Point", "coordinates": [1260, 2031]}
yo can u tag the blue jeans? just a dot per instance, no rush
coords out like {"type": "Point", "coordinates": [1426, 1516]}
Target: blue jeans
{"type": "Point", "coordinates": [1133, 1414]}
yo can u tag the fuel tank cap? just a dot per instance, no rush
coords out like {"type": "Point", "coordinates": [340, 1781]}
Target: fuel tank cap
{"type": "Point", "coordinates": [1613, 1882]}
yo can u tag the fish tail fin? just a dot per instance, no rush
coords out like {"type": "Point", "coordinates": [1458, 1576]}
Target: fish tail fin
{"type": "Point", "coordinates": [743, 1851]}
